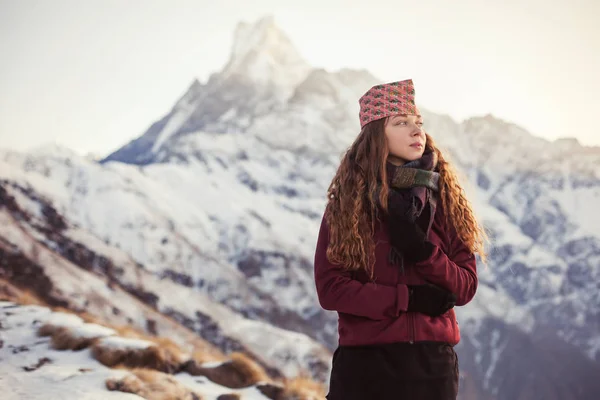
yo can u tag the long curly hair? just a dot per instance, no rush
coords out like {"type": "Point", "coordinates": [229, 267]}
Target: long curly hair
{"type": "Point", "coordinates": [352, 210]}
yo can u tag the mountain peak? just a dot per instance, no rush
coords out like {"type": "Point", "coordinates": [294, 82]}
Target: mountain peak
{"type": "Point", "coordinates": [264, 54]}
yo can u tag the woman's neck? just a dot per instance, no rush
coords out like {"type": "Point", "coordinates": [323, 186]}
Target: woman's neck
{"type": "Point", "coordinates": [397, 161]}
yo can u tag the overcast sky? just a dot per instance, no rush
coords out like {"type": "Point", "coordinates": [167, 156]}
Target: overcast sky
{"type": "Point", "coordinates": [94, 74]}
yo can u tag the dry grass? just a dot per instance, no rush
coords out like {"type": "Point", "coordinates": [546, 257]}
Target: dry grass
{"type": "Point", "coordinates": [63, 310]}
{"type": "Point", "coordinates": [84, 315]}
{"type": "Point", "coordinates": [47, 330]}
{"type": "Point", "coordinates": [128, 331]}
{"type": "Point", "coordinates": [229, 396]}
{"type": "Point", "coordinates": [303, 388]}
{"type": "Point", "coordinates": [201, 356]}
{"type": "Point", "coordinates": [253, 372]}
{"type": "Point", "coordinates": [91, 319]}
{"type": "Point", "coordinates": [151, 366]}
{"type": "Point", "coordinates": [64, 339]}
{"type": "Point", "coordinates": [152, 385]}
{"type": "Point", "coordinates": [171, 354]}
{"type": "Point", "coordinates": [202, 352]}
{"type": "Point", "coordinates": [169, 346]}
{"type": "Point", "coordinates": [28, 298]}
{"type": "Point", "coordinates": [9, 292]}
{"type": "Point", "coordinates": [238, 372]}
{"type": "Point", "coordinates": [165, 356]}
{"type": "Point", "coordinates": [152, 357]}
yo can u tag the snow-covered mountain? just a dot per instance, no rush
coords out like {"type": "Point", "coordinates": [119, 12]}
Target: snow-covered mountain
{"type": "Point", "coordinates": [40, 249]}
{"type": "Point", "coordinates": [210, 218]}
{"type": "Point", "coordinates": [266, 91]}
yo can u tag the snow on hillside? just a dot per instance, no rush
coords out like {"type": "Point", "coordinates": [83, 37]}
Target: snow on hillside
{"type": "Point", "coordinates": [111, 277]}
{"type": "Point", "coordinates": [32, 369]}
{"type": "Point", "coordinates": [179, 219]}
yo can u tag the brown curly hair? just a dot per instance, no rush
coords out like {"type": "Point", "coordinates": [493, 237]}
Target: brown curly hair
{"type": "Point", "coordinates": [351, 209]}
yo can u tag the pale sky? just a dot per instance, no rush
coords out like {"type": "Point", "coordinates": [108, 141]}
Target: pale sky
{"type": "Point", "coordinates": [94, 74]}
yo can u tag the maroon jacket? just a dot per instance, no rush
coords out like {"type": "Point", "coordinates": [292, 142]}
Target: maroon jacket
{"type": "Point", "coordinates": [375, 312]}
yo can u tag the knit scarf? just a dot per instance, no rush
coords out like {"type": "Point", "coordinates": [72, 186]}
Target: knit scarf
{"type": "Point", "coordinates": [417, 198]}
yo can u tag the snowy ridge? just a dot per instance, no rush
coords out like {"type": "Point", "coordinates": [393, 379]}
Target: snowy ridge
{"type": "Point", "coordinates": [180, 113]}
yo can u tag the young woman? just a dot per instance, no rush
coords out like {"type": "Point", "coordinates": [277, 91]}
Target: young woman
{"type": "Point", "coordinates": [395, 254]}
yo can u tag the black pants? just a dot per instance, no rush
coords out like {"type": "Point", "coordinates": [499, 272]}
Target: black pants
{"type": "Point", "coordinates": [397, 371]}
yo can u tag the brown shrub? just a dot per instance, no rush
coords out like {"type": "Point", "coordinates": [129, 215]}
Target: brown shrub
{"type": "Point", "coordinates": [59, 309]}
{"type": "Point", "coordinates": [236, 373]}
{"type": "Point", "coordinates": [129, 384]}
{"type": "Point", "coordinates": [271, 391]}
{"type": "Point", "coordinates": [169, 346]}
{"type": "Point", "coordinates": [152, 357]}
{"type": "Point", "coordinates": [206, 351]}
{"type": "Point", "coordinates": [9, 292]}
{"type": "Point", "coordinates": [47, 330]}
{"type": "Point", "coordinates": [28, 298]}
{"type": "Point", "coordinates": [253, 372]}
{"type": "Point", "coordinates": [64, 339]}
{"type": "Point", "coordinates": [172, 351]}
{"type": "Point", "coordinates": [229, 396]}
{"type": "Point", "coordinates": [203, 355]}
{"type": "Point", "coordinates": [129, 332]}
{"type": "Point", "coordinates": [91, 319]}
{"type": "Point", "coordinates": [303, 388]}
{"type": "Point", "coordinates": [152, 385]}
{"type": "Point", "coordinates": [203, 350]}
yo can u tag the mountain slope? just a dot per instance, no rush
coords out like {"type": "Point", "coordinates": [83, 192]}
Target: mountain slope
{"type": "Point", "coordinates": [39, 249]}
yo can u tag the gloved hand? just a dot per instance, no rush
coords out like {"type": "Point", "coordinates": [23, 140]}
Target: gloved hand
{"type": "Point", "coordinates": [430, 299]}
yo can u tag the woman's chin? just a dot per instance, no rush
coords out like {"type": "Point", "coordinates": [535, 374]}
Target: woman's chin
{"type": "Point", "coordinates": [413, 157]}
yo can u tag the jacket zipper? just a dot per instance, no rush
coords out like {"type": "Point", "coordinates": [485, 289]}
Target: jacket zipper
{"type": "Point", "coordinates": [411, 322]}
{"type": "Point", "coordinates": [412, 338]}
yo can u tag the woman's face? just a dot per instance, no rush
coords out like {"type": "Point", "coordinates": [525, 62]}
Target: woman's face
{"type": "Point", "coordinates": [405, 138]}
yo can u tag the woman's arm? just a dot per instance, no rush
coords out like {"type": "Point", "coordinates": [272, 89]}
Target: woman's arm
{"type": "Point", "coordinates": [456, 272]}
{"type": "Point", "coordinates": [339, 292]}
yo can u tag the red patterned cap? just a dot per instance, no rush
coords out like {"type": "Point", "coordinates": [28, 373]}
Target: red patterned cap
{"type": "Point", "coordinates": [388, 99]}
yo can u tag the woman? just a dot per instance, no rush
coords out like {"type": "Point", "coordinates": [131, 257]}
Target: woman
{"type": "Point", "coordinates": [395, 254]}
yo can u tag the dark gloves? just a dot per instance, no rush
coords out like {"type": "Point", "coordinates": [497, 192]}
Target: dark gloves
{"type": "Point", "coordinates": [430, 299]}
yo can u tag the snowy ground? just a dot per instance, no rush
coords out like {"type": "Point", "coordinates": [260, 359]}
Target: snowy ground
{"type": "Point", "coordinates": [30, 369]}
